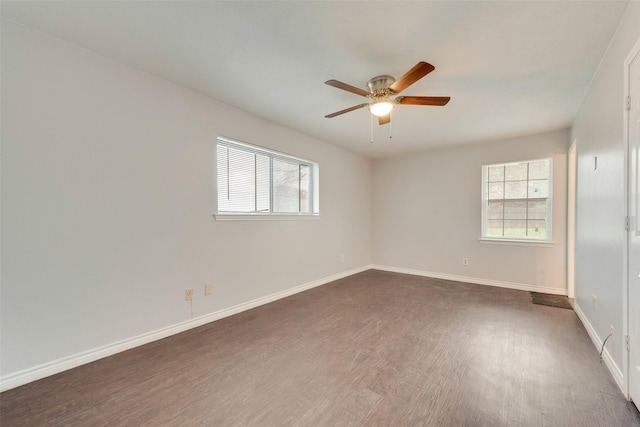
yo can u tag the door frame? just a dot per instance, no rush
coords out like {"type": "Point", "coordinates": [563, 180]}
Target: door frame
{"type": "Point", "coordinates": [571, 217]}
{"type": "Point", "coordinates": [635, 51]}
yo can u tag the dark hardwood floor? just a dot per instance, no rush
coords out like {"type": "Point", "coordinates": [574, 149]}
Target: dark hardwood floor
{"type": "Point", "coordinates": [374, 349]}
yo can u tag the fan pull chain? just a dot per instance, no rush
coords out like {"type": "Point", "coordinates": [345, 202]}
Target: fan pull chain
{"type": "Point", "coordinates": [371, 127]}
{"type": "Point", "coordinates": [390, 121]}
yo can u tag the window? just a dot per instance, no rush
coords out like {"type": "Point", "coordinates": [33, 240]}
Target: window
{"type": "Point", "coordinates": [517, 200]}
{"type": "Point", "coordinates": [256, 181]}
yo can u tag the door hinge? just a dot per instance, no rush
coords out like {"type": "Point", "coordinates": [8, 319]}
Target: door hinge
{"type": "Point", "coordinates": [626, 224]}
{"type": "Point", "coordinates": [626, 341]}
{"type": "Point", "coordinates": [628, 106]}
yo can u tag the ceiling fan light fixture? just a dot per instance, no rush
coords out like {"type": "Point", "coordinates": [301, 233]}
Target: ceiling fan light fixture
{"type": "Point", "coordinates": [381, 108]}
{"type": "Point", "coordinates": [383, 88]}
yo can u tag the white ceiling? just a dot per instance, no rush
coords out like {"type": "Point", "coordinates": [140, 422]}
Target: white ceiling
{"type": "Point", "coordinates": [511, 68]}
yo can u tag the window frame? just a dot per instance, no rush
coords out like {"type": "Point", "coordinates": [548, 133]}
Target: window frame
{"type": "Point", "coordinates": [314, 200]}
{"type": "Point", "coordinates": [548, 239]}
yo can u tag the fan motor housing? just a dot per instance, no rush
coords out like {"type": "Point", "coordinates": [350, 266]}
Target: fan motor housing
{"type": "Point", "coordinates": [380, 83]}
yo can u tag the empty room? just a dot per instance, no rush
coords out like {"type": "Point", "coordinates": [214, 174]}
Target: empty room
{"type": "Point", "coordinates": [320, 213]}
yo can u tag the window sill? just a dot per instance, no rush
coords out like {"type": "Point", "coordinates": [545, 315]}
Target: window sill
{"type": "Point", "coordinates": [264, 217]}
{"type": "Point", "coordinates": [518, 242]}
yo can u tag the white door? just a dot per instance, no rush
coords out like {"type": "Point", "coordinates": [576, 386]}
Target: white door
{"type": "Point", "coordinates": [633, 123]}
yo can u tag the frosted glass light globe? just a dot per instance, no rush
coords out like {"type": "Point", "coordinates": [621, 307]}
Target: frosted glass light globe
{"type": "Point", "coordinates": [381, 108]}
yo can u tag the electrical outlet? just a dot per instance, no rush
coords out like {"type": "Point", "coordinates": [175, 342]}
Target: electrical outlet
{"type": "Point", "coordinates": [593, 301]}
{"type": "Point", "coordinates": [342, 258]}
{"type": "Point", "coordinates": [612, 332]}
{"type": "Point", "coordinates": [465, 261]}
{"type": "Point", "coordinates": [208, 289]}
{"type": "Point", "coordinates": [188, 294]}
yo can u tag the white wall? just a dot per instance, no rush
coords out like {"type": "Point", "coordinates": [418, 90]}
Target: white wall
{"type": "Point", "coordinates": [598, 129]}
{"type": "Point", "coordinates": [427, 215]}
{"type": "Point", "coordinates": [107, 198]}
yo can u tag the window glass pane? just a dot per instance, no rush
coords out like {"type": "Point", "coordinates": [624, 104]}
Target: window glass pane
{"type": "Point", "coordinates": [515, 172]}
{"type": "Point", "coordinates": [223, 178]}
{"type": "Point", "coordinates": [518, 199]}
{"type": "Point", "coordinates": [305, 183]}
{"type": "Point", "coordinates": [537, 229]}
{"type": "Point", "coordinates": [537, 210]}
{"type": "Point", "coordinates": [285, 187]}
{"type": "Point", "coordinates": [538, 188]}
{"type": "Point", "coordinates": [539, 169]}
{"type": "Point", "coordinates": [494, 210]}
{"type": "Point", "coordinates": [515, 228]}
{"type": "Point", "coordinates": [496, 173]}
{"type": "Point", "coordinates": [242, 186]}
{"type": "Point", "coordinates": [496, 190]}
{"type": "Point", "coordinates": [515, 190]}
{"type": "Point", "coordinates": [494, 228]}
{"type": "Point", "coordinates": [515, 210]}
{"type": "Point", "coordinates": [263, 183]}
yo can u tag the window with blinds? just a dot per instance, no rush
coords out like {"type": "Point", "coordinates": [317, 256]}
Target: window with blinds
{"type": "Point", "coordinates": [256, 181]}
{"type": "Point", "coordinates": [517, 200]}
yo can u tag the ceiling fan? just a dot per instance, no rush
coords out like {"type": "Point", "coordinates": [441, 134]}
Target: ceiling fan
{"type": "Point", "coordinates": [382, 88]}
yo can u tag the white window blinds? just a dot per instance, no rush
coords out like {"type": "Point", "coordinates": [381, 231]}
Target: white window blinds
{"type": "Point", "coordinates": [253, 180]}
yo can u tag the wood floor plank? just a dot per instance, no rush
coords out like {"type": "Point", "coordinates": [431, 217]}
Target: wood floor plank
{"type": "Point", "coordinates": [373, 349]}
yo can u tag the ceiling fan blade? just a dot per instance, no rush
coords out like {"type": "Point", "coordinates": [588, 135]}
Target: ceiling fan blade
{"type": "Point", "coordinates": [420, 70]}
{"type": "Point", "coordinates": [346, 110]}
{"type": "Point", "coordinates": [423, 100]}
{"type": "Point", "coordinates": [348, 88]}
{"type": "Point", "coordinates": [383, 120]}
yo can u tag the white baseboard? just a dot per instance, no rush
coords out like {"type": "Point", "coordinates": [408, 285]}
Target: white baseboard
{"type": "Point", "coordinates": [616, 373]}
{"type": "Point", "coordinates": [25, 376]}
{"type": "Point", "coordinates": [474, 280]}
